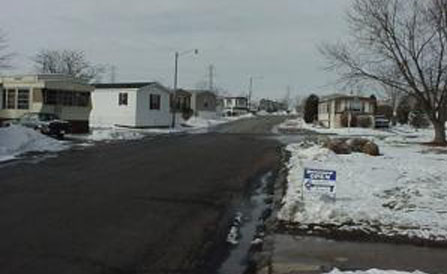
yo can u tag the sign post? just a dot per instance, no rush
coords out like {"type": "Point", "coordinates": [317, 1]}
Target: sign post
{"type": "Point", "coordinates": [319, 182]}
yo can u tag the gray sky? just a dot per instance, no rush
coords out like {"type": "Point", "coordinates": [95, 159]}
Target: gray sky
{"type": "Point", "coordinates": [273, 39]}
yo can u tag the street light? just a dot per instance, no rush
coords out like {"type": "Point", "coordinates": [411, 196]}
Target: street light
{"type": "Point", "coordinates": [177, 55]}
{"type": "Point", "coordinates": [250, 89]}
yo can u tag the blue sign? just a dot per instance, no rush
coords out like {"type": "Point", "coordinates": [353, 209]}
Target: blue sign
{"type": "Point", "coordinates": [319, 181]}
{"type": "Point", "coordinates": [320, 174]}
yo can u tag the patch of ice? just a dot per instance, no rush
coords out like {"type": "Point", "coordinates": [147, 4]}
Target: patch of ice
{"type": "Point", "coordinates": [233, 236]}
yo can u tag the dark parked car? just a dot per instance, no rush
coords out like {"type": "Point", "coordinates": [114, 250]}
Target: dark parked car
{"type": "Point", "coordinates": [47, 123]}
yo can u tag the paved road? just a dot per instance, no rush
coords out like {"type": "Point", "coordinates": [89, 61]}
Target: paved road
{"type": "Point", "coordinates": [149, 206]}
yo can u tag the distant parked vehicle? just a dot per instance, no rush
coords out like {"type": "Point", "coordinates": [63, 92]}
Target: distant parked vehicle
{"type": "Point", "coordinates": [46, 123]}
{"type": "Point", "coordinates": [381, 121]}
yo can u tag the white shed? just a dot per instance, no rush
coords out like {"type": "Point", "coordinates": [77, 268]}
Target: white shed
{"type": "Point", "coordinates": [131, 105]}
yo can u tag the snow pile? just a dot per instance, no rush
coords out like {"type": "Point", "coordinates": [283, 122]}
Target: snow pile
{"type": "Point", "coordinates": [199, 122]}
{"type": "Point", "coordinates": [402, 193]}
{"type": "Point", "coordinates": [17, 140]}
{"type": "Point", "coordinates": [276, 113]}
{"type": "Point", "coordinates": [121, 133]}
{"type": "Point", "coordinates": [242, 116]}
{"type": "Point", "coordinates": [373, 271]}
{"type": "Point", "coordinates": [262, 113]}
{"type": "Point", "coordinates": [356, 131]}
{"type": "Point", "coordinates": [103, 134]}
{"type": "Point", "coordinates": [293, 124]}
{"type": "Point", "coordinates": [401, 133]}
{"type": "Point", "coordinates": [408, 134]}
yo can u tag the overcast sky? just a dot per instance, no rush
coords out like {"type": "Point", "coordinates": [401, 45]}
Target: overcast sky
{"type": "Point", "coordinates": [273, 39]}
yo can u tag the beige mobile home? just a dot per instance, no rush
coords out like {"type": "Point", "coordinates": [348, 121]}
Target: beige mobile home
{"type": "Point", "coordinates": [63, 95]}
{"type": "Point", "coordinates": [333, 109]}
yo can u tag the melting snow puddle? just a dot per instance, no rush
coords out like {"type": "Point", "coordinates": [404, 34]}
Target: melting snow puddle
{"type": "Point", "coordinates": [247, 230]}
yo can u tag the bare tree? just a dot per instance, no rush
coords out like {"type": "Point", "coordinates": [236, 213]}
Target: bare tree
{"type": "Point", "coordinates": [394, 97]}
{"type": "Point", "coordinates": [70, 62]}
{"type": "Point", "coordinates": [400, 44]}
{"type": "Point", "coordinates": [298, 103]}
{"type": "Point", "coordinates": [285, 101]}
{"type": "Point", "coordinates": [5, 57]}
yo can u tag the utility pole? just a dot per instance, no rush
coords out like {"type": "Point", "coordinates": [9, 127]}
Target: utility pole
{"type": "Point", "coordinates": [211, 77]}
{"type": "Point", "coordinates": [287, 97]}
{"type": "Point", "coordinates": [250, 89]}
{"type": "Point", "coordinates": [113, 74]}
{"type": "Point", "coordinates": [174, 96]}
{"type": "Point", "coordinates": [250, 92]}
{"type": "Point", "coordinates": [174, 99]}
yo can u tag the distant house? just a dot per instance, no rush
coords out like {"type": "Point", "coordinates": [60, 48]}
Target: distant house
{"type": "Point", "coordinates": [334, 111]}
{"type": "Point", "coordinates": [234, 106]}
{"type": "Point", "coordinates": [137, 105]}
{"type": "Point", "coordinates": [63, 95]}
{"type": "Point", "coordinates": [271, 106]}
{"type": "Point", "coordinates": [182, 100]}
{"type": "Point", "coordinates": [203, 103]}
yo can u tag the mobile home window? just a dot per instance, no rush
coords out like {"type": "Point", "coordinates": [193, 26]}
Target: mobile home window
{"type": "Point", "coordinates": [49, 97]}
{"type": "Point", "coordinates": [23, 99]}
{"type": "Point", "coordinates": [241, 103]}
{"type": "Point", "coordinates": [154, 101]}
{"type": "Point", "coordinates": [67, 98]}
{"type": "Point", "coordinates": [3, 98]}
{"type": "Point", "coordinates": [11, 99]}
{"type": "Point", "coordinates": [122, 99]}
{"type": "Point", "coordinates": [83, 99]}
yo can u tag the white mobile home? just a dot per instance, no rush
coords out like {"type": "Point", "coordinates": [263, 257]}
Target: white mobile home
{"type": "Point", "coordinates": [204, 103]}
{"type": "Point", "coordinates": [234, 106]}
{"type": "Point", "coordinates": [137, 105]}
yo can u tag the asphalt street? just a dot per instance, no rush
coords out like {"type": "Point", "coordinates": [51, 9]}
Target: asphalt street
{"type": "Point", "coordinates": [157, 205]}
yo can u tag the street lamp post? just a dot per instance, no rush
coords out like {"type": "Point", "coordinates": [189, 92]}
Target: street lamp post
{"type": "Point", "coordinates": [250, 90]}
{"type": "Point", "coordinates": [174, 99]}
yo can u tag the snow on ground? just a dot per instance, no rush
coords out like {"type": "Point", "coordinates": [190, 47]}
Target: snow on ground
{"type": "Point", "coordinates": [234, 118]}
{"type": "Point", "coordinates": [101, 134]}
{"type": "Point", "coordinates": [299, 123]}
{"type": "Point", "coordinates": [276, 113]}
{"type": "Point", "coordinates": [373, 271]}
{"type": "Point", "coordinates": [17, 140]}
{"type": "Point", "coordinates": [120, 133]}
{"type": "Point", "coordinates": [198, 122]}
{"type": "Point", "coordinates": [402, 193]}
